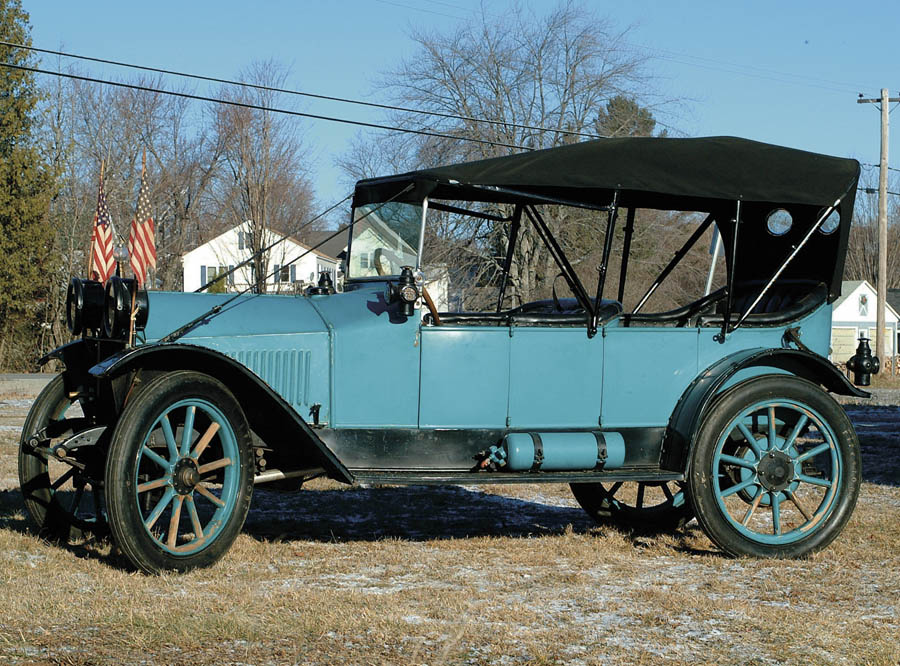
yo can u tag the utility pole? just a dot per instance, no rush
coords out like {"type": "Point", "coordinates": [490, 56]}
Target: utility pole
{"type": "Point", "coordinates": [884, 100]}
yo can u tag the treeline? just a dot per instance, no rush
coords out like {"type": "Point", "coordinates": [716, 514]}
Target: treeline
{"type": "Point", "coordinates": [210, 167]}
{"type": "Point", "coordinates": [527, 79]}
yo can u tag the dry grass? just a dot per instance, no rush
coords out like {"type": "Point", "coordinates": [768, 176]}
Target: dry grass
{"type": "Point", "coordinates": [492, 575]}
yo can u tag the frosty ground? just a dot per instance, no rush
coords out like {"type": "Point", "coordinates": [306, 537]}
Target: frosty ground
{"type": "Point", "coordinates": [478, 575]}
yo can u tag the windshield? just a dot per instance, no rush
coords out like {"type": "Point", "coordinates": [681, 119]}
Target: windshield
{"type": "Point", "coordinates": [385, 237]}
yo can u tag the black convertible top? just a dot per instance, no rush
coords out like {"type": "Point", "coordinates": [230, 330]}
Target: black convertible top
{"type": "Point", "coordinates": [704, 174]}
{"type": "Point", "coordinates": [675, 174]}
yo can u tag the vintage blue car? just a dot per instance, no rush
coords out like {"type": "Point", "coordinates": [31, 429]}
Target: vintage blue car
{"type": "Point", "coordinates": [172, 406]}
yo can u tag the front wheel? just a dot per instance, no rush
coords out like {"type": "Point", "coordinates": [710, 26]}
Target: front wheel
{"type": "Point", "coordinates": [178, 476]}
{"type": "Point", "coordinates": [775, 470]}
{"type": "Point", "coordinates": [63, 493]}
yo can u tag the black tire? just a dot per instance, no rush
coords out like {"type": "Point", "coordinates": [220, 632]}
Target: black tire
{"type": "Point", "coordinates": [655, 506]}
{"type": "Point", "coordinates": [65, 500]}
{"type": "Point", "coordinates": [151, 473]}
{"type": "Point", "coordinates": [791, 490]}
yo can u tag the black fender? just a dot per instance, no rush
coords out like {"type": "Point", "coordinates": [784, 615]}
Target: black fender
{"type": "Point", "coordinates": [688, 414]}
{"type": "Point", "coordinates": [270, 416]}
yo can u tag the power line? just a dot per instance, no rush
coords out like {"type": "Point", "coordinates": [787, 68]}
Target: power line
{"type": "Point", "coordinates": [257, 107]}
{"type": "Point", "coordinates": [875, 166]}
{"type": "Point", "coordinates": [343, 100]}
{"type": "Point", "coordinates": [747, 70]}
{"type": "Point", "coordinates": [874, 190]}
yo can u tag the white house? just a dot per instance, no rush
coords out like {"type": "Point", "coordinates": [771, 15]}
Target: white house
{"type": "Point", "coordinates": [227, 250]}
{"type": "Point", "coordinates": [854, 313]}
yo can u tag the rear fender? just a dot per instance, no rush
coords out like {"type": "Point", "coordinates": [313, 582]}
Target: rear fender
{"type": "Point", "coordinates": [688, 415]}
{"type": "Point", "coordinates": [270, 417]}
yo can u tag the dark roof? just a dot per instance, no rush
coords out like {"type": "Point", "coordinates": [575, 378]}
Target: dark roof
{"type": "Point", "coordinates": [648, 172]}
{"type": "Point", "coordinates": [893, 299]}
{"type": "Point", "coordinates": [334, 247]}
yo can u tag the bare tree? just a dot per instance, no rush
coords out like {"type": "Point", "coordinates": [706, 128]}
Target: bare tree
{"type": "Point", "coordinates": [557, 71]}
{"type": "Point", "coordinates": [862, 250]}
{"type": "Point", "coordinates": [263, 183]}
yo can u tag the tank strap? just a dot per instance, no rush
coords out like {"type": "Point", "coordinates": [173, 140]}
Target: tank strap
{"type": "Point", "coordinates": [538, 452]}
{"type": "Point", "coordinates": [601, 448]}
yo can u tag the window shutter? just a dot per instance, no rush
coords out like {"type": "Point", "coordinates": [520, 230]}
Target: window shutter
{"type": "Point", "coordinates": [277, 272]}
{"type": "Point", "coordinates": [202, 275]}
{"type": "Point", "coordinates": [293, 272]}
{"type": "Point", "coordinates": [231, 275]}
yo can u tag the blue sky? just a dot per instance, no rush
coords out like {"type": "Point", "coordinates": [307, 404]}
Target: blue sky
{"type": "Point", "coordinates": [782, 72]}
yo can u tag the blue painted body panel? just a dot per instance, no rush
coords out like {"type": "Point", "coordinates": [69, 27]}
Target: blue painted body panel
{"type": "Point", "coordinates": [369, 368]}
{"type": "Point", "coordinates": [555, 378]}
{"type": "Point", "coordinates": [465, 377]}
{"type": "Point", "coordinates": [375, 361]}
{"type": "Point", "coordinates": [645, 370]}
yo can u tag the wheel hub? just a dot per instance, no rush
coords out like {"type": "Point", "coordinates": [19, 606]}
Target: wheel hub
{"type": "Point", "coordinates": [185, 476]}
{"type": "Point", "coordinates": [776, 471]}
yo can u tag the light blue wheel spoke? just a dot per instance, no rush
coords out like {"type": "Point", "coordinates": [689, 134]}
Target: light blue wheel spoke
{"type": "Point", "coordinates": [743, 485]}
{"type": "Point", "coordinates": [740, 462]}
{"type": "Point", "coordinates": [825, 483]}
{"type": "Point", "coordinates": [821, 448]}
{"type": "Point", "coordinates": [170, 437]}
{"type": "Point", "coordinates": [187, 433]}
{"type": "Point", "coordinates": [776, 512]}
{"type": "Point", "coordinates": [801, 423]}
{"type": "Point", "coordinates": [751, 440]}
{"type": "Point", "coordinates": [155, 457]}
{"type": "Point", "coordinates": [772, 433]}
{"type": "Point", "coordinates": [159, 508]}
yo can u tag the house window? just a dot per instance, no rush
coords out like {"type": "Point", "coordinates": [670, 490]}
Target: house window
{"type": "Point", "coordinates": [285, 274]}
{"type": "Point", "coordinates": [364, 260]}
{"type": "Point", "coordinates": [863, 305]}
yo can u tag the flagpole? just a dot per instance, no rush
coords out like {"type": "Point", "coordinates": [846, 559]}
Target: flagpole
{"type": "Point", "coordinates": [94, 232]}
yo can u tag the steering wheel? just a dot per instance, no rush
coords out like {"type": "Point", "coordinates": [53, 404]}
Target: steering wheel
{"type": "Point", "coordinates": [435, 317]}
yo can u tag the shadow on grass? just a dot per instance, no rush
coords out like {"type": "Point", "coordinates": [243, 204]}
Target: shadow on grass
{"type": "Point", "coordinates": [878, 429]}
{"type": "Point", "coordinates": [13, 517]}
{"type": "Point", "coordinates": [414, 513]}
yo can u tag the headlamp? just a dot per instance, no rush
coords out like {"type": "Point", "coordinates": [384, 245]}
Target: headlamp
{"type": "Point", "coordinates": [84, 306]}
{"type": "Point", "coordinates": [121, 295]}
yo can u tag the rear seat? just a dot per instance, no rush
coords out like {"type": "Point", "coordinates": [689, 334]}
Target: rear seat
{"type": "Point", "coordinates": [783, 302]}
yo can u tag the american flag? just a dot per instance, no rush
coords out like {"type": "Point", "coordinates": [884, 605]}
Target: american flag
{"type": "Point", "coordinates": [141, 240]}
{"type": "Point", "coordinates": [102, 262]}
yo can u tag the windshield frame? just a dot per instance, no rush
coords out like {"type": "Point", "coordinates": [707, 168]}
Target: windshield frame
{"type": "Point", "coordinates": [420, 238]}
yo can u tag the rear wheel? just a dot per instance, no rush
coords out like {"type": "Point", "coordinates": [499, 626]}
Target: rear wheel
{"type": "Point", "coordinates": [775, 470]}
{"type": "Point", "coordinates": [63, 491]}
{"type": "Point", "coordinates": [179, 473]}
{"type": "Point", "coordinates": [648, 505]}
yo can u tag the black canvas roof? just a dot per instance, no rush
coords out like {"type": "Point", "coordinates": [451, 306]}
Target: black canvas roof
{"type": "Point", "coordinates": [676, 174]}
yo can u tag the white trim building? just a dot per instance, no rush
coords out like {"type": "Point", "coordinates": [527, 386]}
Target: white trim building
{"type": "Point", "coordinates": [855, 313]}
{"type": "Point", "coordinates": [230, 248]}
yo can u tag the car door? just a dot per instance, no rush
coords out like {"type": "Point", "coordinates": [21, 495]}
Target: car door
{"type": "Point", "coordinates": [464, 379]}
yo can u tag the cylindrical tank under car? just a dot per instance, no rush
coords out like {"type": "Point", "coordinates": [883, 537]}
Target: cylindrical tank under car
{"type": "Point", "coordinates": [558, 451]}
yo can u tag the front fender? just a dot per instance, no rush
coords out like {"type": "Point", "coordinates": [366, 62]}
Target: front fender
{"type": "Point", "coordinates": [270, 416]}
{"type": "Point", "coordinates": [687, 416]}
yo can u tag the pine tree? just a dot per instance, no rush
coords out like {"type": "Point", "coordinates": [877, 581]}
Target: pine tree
{"type": "Point", "coordinates": [26, 186]}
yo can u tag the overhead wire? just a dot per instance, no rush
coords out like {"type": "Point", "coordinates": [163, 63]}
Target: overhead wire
{"type": "Point", "coordinates": [300, 93]}
{"type": "Point", "coordinates": [257, 107]}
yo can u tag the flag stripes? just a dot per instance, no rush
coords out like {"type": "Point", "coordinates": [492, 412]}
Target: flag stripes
{"type": "Point", "coordinates": [141, 238]}
{"type": "Point", "coordinates": [102, 261]}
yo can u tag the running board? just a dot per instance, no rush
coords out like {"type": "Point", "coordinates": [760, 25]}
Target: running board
{"type": "Point", "coordinates": [429, 478]}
